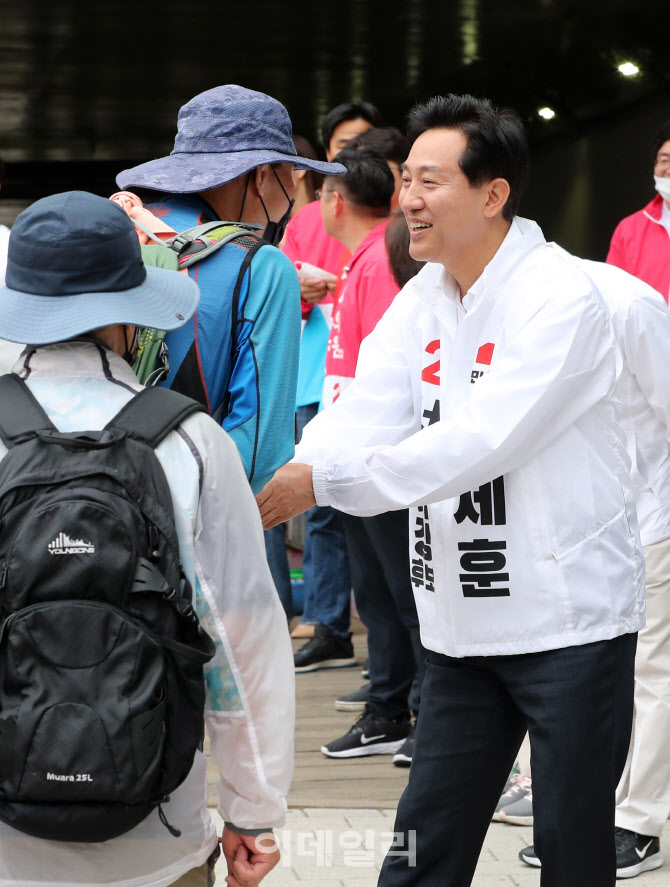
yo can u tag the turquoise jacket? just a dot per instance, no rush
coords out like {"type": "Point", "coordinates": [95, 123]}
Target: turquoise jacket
{"type": "Point", "coordinates": [245, 371]}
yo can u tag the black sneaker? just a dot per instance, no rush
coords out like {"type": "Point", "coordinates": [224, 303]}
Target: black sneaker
{"type": "Point", "coordinates": [325, 650]}
{"type": "Point", "coordinates": [530, 857]}
{"type": "Point", "coordinates": [365, 671]}
{"type": "Point", "coordinates": [355, 701]}
{"type": "Point", "coordinates": [403, 757]}
{"type": "Point", "coordinates": [636, 853]}
{"type": "Point", "coordinates": [370, 736]}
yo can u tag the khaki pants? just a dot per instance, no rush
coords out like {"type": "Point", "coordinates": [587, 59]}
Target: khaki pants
{"type": "Point", "coordinates": [643, 795]}
{"type": "Point", "coordinates": [203, 876]}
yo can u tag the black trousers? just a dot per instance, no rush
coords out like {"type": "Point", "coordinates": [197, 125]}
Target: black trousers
{"type": "Point", "coordinates": [577, 705]}
{"type": "Point", "coordinates": [378, 549]}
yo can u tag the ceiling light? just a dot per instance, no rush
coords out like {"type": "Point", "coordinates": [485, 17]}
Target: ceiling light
{"type": "Point", "coordinates": [628, 69]}
{"type": "Point", "coordinates": [547, 113]}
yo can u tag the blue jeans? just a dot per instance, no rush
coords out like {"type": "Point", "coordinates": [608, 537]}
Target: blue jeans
{"type": "Point", "coordinates": [275, 550]}
{"type": "Point", "coordinates": [325, 564]}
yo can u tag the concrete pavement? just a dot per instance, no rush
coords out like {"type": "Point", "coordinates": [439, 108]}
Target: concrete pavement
{"type": "Point", "coordinates": [326, 847]}
{"type": "Point", "coordinates": [341, 812]}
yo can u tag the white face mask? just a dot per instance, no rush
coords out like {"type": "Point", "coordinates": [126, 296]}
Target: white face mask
{"type": "Point", "coordinates": [663, 186]}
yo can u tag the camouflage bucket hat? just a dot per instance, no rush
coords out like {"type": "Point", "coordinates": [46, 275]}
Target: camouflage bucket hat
{"type": "Point", "coordinates": [222, 134]}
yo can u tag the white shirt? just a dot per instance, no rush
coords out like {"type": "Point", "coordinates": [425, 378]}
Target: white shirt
{"type": "Point", "coordinates": [9, 354]}
{"type": "Point", "coordinates": [529, 540]}
{"type": "Point", "coordinates": [665, 217]}
{"type": "Point", "coordinates": [250, 683]}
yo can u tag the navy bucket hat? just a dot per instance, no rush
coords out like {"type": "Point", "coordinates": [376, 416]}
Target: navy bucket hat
{"type": "Point", "coordinates": [222, 134]}
{"type": "Point", "coordinates": [74, 265]}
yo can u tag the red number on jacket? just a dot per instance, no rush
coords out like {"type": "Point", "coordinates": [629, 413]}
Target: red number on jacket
{"type": "Point", "coordinates": [430, 373]}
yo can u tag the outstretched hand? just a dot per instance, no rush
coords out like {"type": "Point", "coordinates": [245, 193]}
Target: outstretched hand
{"type": "Point", "coordinates": [289, 493]}
{"type": "Point", "coordinates": [313, 290]}
{"type": "Point", "coordinates": [249, 858]}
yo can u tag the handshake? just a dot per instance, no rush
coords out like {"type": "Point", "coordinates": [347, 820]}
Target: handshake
{"type": "Point", "coordinates": [290, 492]}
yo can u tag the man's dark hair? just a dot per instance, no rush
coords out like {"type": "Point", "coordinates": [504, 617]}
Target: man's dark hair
{"type": "Point", "coordinates": [662, 137]}
{"type": "Point", "coordinates": [385, 140]}
{"type": "Point", "coordinates": [348, 111]}
{"type": "Point", "coordinates": [369, 182]}
{"type": "Point", "coordinates": [304, 148]}
{"type": "Point", "coordinates": [496, 147]}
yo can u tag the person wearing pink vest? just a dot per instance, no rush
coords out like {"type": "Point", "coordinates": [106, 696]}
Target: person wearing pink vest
{"type": "Point", "coordinates": [325, 617]}
{"type": "Point", "coordinates": [641, 242]}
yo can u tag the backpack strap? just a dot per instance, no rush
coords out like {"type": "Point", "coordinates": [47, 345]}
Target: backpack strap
{"type": "Point", "coordinates": [20, 412]}
{"type": "Point", "coordinates": [153, 413]}
{"type": "Point", "coordinates": [236, 320]}
{"type": "Point", "coordinates": [198, 243]}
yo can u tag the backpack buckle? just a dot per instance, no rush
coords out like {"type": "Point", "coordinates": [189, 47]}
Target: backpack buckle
{"type": "Point", "coordinates": [180, 242]}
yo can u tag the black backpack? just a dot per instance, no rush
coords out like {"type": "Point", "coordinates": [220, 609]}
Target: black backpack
{"type": "Point", "coordinates": [101, 654]}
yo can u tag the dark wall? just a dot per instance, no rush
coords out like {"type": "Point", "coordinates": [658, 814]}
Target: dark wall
{"type": "Point", "coordinates": [87, 89]}
{"type": "Point", "coordinates": [581, 187]}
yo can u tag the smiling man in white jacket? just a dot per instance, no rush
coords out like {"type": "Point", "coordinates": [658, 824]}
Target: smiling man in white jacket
{"type": "Point", "coordinates": [484, 401]}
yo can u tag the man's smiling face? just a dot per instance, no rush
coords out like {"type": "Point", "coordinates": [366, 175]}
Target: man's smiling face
{"type": "Point", "coordinates": [444, 213]}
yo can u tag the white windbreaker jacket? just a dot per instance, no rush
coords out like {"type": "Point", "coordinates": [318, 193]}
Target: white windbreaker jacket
{"type": "Point", "coordinates": [641, 322]}
{"type": "Point", "coordinates": [494, 420]}
{"type": "Point", "coordinates": [250, 683]}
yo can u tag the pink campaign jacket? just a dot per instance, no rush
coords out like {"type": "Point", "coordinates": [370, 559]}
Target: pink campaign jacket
{"type": "Point", "coordinates": [368, 288]}
{"type": "Point", "coordinates": [641, 245]}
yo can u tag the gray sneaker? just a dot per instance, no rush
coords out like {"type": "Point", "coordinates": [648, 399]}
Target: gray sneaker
{"type": "Point", "coordinates": [516, 788]}
{"type": "Point", "coordinates": [519, 812]}
{"type": "Point", "coordinates": [355, 701]}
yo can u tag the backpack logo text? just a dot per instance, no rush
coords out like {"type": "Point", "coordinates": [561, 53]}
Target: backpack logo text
{"type": "Point", "coordinates": [62, 544]}
{"type": "Point", "coordinates": [70, 777]}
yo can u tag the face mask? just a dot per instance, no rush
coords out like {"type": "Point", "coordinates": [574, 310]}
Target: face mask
{"type": "Point", "coordinates": [663, 186]}
{"type": "Point", "coordinates": [274, 231]}
{"type": "Point", "coordinates": [131, 348]}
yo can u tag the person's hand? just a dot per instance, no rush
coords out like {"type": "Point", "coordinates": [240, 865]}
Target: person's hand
{"type": "Point", "coordinates": [313, 290]}
{"type": "Point", "coordinates": [289, 493]}
{"type": "Point", "coordinates": [249, 858]}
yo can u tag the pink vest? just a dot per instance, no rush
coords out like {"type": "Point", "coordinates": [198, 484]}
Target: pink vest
{"type": "Point", "coordinates": [641, 246]}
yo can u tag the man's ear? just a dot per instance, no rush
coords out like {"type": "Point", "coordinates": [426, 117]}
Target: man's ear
{"type": "Point", "coordinates": [338, 208]}
{"type": "Point", "coordinates": [260, 179]}
{"type": "Point", "coordinates": [497, 196]}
